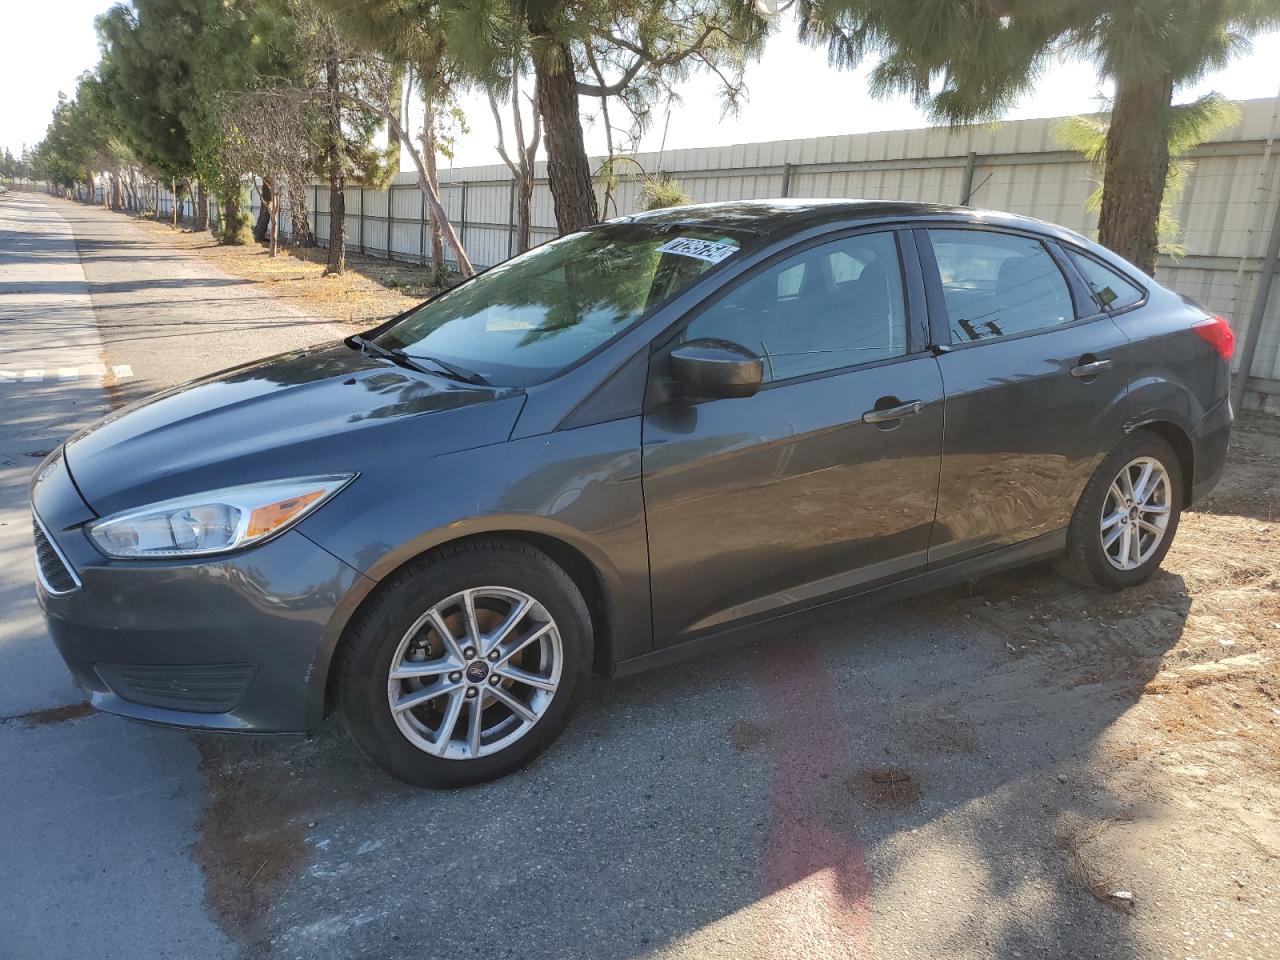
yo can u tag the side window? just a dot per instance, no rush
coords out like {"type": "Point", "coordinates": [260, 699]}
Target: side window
{"type": "Point", "coordinates": [998, 284]}
{"type": "Point", "coordinates": [830, 306]}
{"type": "Point", "coordinates": [1113, 291]}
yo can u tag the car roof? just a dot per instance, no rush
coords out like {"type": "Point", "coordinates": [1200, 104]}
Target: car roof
{"type": "Point", "coordinates": [782, 216]}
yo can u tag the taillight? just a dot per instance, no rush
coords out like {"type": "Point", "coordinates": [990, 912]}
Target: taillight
{"type": "Point", "coordinates": [1217, 333]}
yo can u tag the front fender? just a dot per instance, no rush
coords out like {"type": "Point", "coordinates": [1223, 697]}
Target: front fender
{"type": "Point", "coordinates": [581, 487]}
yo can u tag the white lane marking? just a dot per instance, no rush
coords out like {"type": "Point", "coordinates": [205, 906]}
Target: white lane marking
{"type": "Point", "coordinates": [94, 371]}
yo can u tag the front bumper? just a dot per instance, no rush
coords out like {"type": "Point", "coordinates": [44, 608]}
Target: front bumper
{"type": "Point", "coordinates": [236, 643]}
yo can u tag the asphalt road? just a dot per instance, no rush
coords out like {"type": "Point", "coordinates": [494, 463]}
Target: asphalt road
{"type": "Point", "coordinates": [895, 784]}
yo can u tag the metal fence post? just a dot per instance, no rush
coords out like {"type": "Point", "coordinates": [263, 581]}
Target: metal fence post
{"type": "Point", "coordinates": [422, 227]}
{"type": "Point", "coordinates": [966, 191]}
{"type": "Point", "coordinates": [511, 220]}
{"type": "Point", "coordinates": [391, 193]}
{"type": "Point", "coordinates": [786, 179]}
{"type": "Point", "coordinates": [315, 209]}
{"type": "Point", "coordinates": [462, 222]}
{"type": "Point", "coordinates": [1256, 319]}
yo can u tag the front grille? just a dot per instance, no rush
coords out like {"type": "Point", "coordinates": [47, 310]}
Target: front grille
{"type": "Point", "coordinates": [55, 573]}
{"type": "Point", "coordinates": [197, 687]}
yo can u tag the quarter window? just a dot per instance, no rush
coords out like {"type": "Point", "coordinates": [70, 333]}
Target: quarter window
{"type": "Point", "coordinates": [830, 306]}
{"type": "Point", "coordinates": [998, 284]}
{"type": "Point", "coordinates": [1110, 287]}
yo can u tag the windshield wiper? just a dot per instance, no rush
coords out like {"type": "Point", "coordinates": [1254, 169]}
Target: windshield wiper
{"type": "Point", "coordinates": [365, 345]}
{"type": "Point", "coordinates": [453, 370]}
{"type": "Point", "coordinates": [398, 356]}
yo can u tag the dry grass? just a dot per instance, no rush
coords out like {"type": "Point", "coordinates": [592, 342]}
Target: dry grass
{"type": "Point", "coordinates": [1088, 869]}
{"type": "Point", "coordinates": [370, 290]}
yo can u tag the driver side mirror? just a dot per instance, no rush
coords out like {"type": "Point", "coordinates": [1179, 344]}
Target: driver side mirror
{"type": "Point", "coordinates": [716, 369]}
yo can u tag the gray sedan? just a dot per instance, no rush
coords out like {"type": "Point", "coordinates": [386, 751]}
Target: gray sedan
{"type": "Point", "coordinates": [660, 435]}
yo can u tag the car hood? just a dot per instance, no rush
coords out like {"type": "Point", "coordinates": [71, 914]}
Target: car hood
{"type": "Point", "coordinates": [329, 409]}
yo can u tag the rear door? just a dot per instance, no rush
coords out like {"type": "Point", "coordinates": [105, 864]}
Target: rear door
{"type": "Point", "coordinates": [1035, 381]}
{"type": "Point", "coordinates": [809, 489]}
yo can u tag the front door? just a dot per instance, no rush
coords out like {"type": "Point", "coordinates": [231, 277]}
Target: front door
{"type": "Point", "coordinates": [807, 490]}
{"type": "Point", "coordinates": [1035, 382]}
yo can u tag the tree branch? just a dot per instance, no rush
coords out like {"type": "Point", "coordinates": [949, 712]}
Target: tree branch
{"type": "Point", "coordinates": [502, 146]}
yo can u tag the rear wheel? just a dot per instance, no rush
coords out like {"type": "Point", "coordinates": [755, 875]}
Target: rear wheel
{"type": "Point", "coordinates": [467, 664]}
{"type": "Point", "coordinates": [1127, 516]}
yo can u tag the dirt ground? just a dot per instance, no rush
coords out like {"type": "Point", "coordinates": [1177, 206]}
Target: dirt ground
{"type": "Point", "coordinates": [1215, 692]}
{"type": "Point", "coordinates": [371, 289]}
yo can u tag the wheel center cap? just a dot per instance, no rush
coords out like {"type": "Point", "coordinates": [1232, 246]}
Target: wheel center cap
{"type": "Point", "coordinates": [477, 670]}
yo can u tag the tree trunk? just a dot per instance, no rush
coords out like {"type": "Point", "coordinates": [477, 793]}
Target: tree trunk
{"type": "Point", "coordinates": [173, 209]}
{"type": "Point", "coordinates": [263, 226]}
{"type": "Point", "coordinates": [524, 206]}
{"type": "Point", "coordinates": [158, 215]}
{"type": "Point", "coordinates": [1136, 166]}
{"type": "Point", "coordinates": [274, 222]}
{"type": "Point", "coordinates": [336, 264]}
{"type": "Point", "coordinates": [568, 171]}
{"type": "Point", "coordinates": [432, 196]}
{"type": "Point", "coordinates": [300, 233]}
{"type": "Point", "coordinates": [429, 192]}
{"type": "Point", "coordinates": [189, 192]}
{"type": "Point", "coordinates": [429, 160]}
{"type": "Point", "coordinates": [202, 208]}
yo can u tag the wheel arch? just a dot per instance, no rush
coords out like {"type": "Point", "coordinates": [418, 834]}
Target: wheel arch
{"type": "Point", "coordinates": [585, 574]}
{"type": "Point", "coordinates": [1178, 438]}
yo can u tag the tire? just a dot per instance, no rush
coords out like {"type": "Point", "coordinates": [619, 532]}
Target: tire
{"type": "Point", "coordinates": [1088, 560]}
{"type": "Point", "coordinates": [398, 626]}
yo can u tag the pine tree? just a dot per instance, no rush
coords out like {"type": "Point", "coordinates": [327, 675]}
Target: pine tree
{"type": "Point", "coordinates": [966, 61]}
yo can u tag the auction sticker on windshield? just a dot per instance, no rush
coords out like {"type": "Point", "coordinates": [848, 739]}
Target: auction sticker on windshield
{"type": "Point", "coordinates": [713, 251]}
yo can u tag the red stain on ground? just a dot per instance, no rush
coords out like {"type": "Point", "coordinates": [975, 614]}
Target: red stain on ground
{"type": "Point", "coordinates": [814, 876]}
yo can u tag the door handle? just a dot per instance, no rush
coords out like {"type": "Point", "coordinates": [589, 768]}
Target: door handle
{"type": "Point", "coordinates": [909, 409]}
{"type": "Point", "coordinates": [1084, 371]}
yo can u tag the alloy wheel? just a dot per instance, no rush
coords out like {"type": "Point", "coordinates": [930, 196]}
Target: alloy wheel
{"type": "Point", "coordinates": [1135, 513]}
{"type": "Point", "coordinates": [475, 673]}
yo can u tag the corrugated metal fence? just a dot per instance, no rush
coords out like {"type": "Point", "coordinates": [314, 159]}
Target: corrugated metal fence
{"type": "Point", "coordinates": [1227, 208]}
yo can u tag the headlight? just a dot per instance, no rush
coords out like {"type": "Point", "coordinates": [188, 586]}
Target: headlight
{"type": "Point", "coordinates": [213, 522]}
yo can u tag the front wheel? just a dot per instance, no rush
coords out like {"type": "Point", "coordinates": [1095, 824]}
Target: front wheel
{"type": "Point", "coordinates": [1127, 516]}
{"type": "Point", "coordinates": [466, 665]}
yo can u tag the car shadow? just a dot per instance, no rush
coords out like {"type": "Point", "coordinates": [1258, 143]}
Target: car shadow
{"type": "Point", "coordinates": [925, 764]}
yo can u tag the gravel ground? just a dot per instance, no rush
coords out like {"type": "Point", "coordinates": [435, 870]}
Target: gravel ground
{"type": "Point", "coordinates": [1019, 768]}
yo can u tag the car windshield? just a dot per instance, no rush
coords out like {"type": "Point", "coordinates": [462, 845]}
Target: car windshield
{"type": "Point", "coordinates": [527, 319]}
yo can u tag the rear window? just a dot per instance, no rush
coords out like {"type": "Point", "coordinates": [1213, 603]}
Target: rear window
{"type": "Point", "coordinates": [1109, 286]}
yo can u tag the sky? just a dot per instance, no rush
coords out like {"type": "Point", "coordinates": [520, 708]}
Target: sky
{"type": "Point", "coordinates": [792, 92]}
